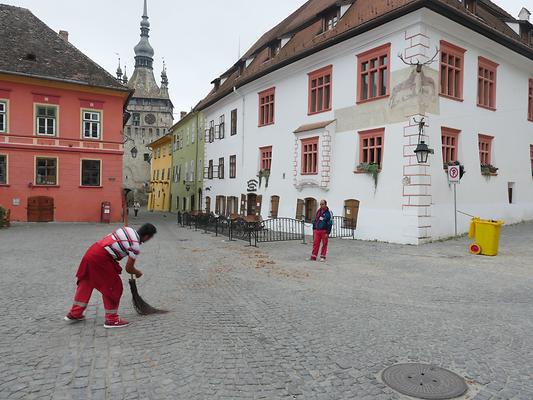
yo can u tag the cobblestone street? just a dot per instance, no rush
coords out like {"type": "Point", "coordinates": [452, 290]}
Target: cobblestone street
{"type": "Point", "coordinates": [264, 323]}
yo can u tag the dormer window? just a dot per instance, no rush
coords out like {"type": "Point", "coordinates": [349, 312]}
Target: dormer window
{"type": "Point", "coordinates": [274, 49]}
{"type": "Point", "coordinates": [331, 18]}
{"type": "Point", "coordinates": [470, 5]}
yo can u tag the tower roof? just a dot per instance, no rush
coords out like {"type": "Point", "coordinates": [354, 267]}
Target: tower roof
{"type": "Point", "coordinates": [144, 52]}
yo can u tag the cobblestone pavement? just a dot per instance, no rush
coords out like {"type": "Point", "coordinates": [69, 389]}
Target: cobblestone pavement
{"type": "Point", "coordinates": [264, 323]}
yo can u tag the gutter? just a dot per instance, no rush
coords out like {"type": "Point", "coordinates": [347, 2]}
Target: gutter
{"type": "Point", "coordinates": [433, 5]}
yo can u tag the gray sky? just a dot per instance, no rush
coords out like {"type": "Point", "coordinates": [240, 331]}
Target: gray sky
{"type": "Point", "coordinates": [199, 40]}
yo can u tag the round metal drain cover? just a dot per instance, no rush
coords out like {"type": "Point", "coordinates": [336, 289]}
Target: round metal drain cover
{"type": "Point", "coordinates": [424, 381]}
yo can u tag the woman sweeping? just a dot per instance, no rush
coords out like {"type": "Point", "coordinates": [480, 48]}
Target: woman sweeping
{"type": "Point", "coordinates": [100, 269]}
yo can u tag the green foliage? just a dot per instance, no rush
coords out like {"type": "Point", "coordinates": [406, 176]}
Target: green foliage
{"type": "Point", "coordinates": [488, 169]}
{"type": "Point", "coordinates": [3, 213]}
{"type": "Point", "coordinates": [371, 169]}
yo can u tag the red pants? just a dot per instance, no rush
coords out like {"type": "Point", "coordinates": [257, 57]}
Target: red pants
{"type": "Point", "coordinates": [320, 237]}
{"type": "Point", "coordinates": [98, 271]}
{"type": "Point", "coordinates": [82, 297]}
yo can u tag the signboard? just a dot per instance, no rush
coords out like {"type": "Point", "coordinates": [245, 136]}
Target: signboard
{"type": "Point", "coordinates": [252, 185]}
{"type": "Point", "coordinates": [454, 174]}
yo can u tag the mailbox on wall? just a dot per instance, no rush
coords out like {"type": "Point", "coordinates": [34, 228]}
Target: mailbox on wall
{"type": "Point", "coordinates": [105, 213]}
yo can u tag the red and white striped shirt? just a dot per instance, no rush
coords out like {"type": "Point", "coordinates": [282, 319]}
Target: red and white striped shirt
{"type": "Point", "coordinates": [121, 243]}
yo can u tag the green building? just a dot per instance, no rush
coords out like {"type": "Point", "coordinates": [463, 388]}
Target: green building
{"type": "Point", "coordinates": [187, 163]}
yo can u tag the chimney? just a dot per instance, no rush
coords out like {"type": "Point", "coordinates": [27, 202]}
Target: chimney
{"type": "Point", "coordinates": [183, 114]}
{"type": "Point", "coordinates": [524, 14]}
{"type": "Point", "coordinates": [63, 35]}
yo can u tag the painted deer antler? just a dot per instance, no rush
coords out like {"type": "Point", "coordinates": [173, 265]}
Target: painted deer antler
{"type": "Point", "coordinates": [418, 63]}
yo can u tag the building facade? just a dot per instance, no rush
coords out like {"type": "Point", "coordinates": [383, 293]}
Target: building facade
{"type": "Point", "coordinates": [61, 124]}
{"type": "Point", "coordinates": [151, 114]}
{"type": "Point", "coordinates": [188, 163]}
{"type": "Point", "coordinates": [160, 196]}
{"type": "Point", "coordinates": [328, 105]}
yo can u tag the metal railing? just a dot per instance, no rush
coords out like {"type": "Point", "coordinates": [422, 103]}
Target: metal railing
{"type": "Point", "coordinates": [343, 228]}
{"type": "Point", "coordinates": [279, 230]}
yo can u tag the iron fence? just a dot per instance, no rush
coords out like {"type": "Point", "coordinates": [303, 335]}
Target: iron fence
{"type": "Point", "coordinates": [279, 230]}
{"type": "Point", "coordinates": [343, 228]}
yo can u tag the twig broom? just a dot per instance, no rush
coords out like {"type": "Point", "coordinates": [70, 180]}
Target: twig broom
{"type": "Point", "coordinates": [141, 306]}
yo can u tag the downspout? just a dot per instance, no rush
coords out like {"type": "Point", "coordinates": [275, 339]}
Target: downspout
{"type": "Point", "coordinates": [196, 176]}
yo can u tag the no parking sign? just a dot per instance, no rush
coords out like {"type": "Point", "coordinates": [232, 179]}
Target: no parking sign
{"type": "Point", "coordinates": [454, 174]}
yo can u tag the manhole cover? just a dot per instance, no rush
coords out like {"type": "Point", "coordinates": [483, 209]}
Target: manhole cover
{"type": "Point", "coordinates": [424, 381]}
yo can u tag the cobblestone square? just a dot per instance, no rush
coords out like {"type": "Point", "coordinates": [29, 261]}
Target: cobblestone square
{"type": "Point", "coordinates": [264, 323]}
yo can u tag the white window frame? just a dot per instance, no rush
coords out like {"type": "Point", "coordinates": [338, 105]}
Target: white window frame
{"type": "Point", "coordinates": [91, 122]}
{"type": "Point", "coordinates": [54, 120]}
{"type": "Point", "coordinates": [4, 113]}
{"type": "Point", "coordinates": [81, 172]}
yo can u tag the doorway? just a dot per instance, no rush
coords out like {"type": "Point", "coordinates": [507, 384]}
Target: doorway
{"type": "Point", "coordinates": [40, 209]}
{"type": "Point", "coordinates": [351, 211]}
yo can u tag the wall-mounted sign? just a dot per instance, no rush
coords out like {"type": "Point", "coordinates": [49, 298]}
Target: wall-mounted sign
{"type": "Point", "coordinates": [252, 185]}
{"type": "Point", "coordinates": [16, 202]}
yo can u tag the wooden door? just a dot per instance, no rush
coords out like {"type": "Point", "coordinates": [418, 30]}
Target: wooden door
{"type": "Point", "coordinates": [40, 209]}
{"type": "Point", "coordinates": [208, 205]}
{"type": "Point", "coordinates": [243, 205]}
{"type": "Point", "coordinates": [251, 201]}
{"type": "Point", "coordinates": [351, 211]}
{"type": "Point", "coordinates": [310, 209]}
{"type": "Point", "coordinates": [258, 204]}
{"type": "Point", "coordinates": [274, 206]}
{"type": "Point", "coordinates": [299, 209]}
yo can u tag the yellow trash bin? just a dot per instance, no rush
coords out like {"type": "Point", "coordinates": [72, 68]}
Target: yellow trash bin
{"type": "Point", "coordinates": [486, 235]}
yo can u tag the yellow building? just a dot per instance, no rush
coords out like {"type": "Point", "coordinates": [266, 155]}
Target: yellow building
{"type": "Point", "coordinates": [160, 197]}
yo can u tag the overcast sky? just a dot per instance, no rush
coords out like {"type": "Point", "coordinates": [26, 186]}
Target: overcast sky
{"type": "Point", "coordinates": [198, 39]}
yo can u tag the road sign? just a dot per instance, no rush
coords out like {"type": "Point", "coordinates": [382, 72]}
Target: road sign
{"type": "Point", "coordinates": [454, 174]}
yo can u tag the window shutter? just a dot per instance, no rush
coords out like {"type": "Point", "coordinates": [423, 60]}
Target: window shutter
{"type": "Point", "coordinates": [274, 205]}
{"type": "Point", "coordinates": [299, 209]}
{"type": "Point", "coordinates": [224, 203]}
{"type": "Point", "coordinates": [258, 202]}
{"type": "Point", "coordinates": [243, 205]}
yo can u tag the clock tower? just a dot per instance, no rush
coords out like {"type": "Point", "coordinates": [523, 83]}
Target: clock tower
{"type": "Point", "coordinates": [151, 115]}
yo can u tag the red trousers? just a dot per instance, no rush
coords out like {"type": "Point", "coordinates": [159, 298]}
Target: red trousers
{"type": "Point", "coordinates": [98, 270]}
{"type": "Point", "coordinates": [320, 237]}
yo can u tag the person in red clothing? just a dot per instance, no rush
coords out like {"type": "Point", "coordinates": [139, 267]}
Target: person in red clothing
{"type": "Point", "coordinates": [321, 230]}
{"type": "Point", "coordinates": [100, 269]}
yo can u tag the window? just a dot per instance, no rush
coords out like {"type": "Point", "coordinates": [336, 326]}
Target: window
{"type": "Point", "coordinates": [163, 174]}
{"type": "Point", "coordinates": [210, 170]}
{"type": "Point", "coordinates": [486, 83]}
{"type": "Point", "coordinates": [311, 208]}
{"type": "Point", "coordinates": [3, 116]}
{"type": "Point", "coordinates": [234, 122]}
{"type": "Point", "coordinates": [530, 101]}
{"type": "Point", "coordinates": [46, 171]}
{"type": "Point", "coordinates": [274, 48]}
{"type": "Point", "coordinates": [371, 145]}
{"type": "Point", "coordinates": [46, 120]}
{"type": "Point", "coordinates": [330, 20]}
{"type": "Point", "coordinates": [266, 107]}
{"type": "Point", "coordinates": [470, 5]}
{"type": "Point", "coordinates": [485, 149]}
{"type": "Point", "coordinates": [374, 73]}
{"type": "Point", "coordinates": [320, 90]}
{"type": "Point", "coordinates": [451, 70]}
{"type": "Point", "coordinates": [266, 157]}
{"type": "Point", "coordinates": [158, 172]}
{"type": "Point", "coordinates": [136, 119]}
{"type": "Point", "coordinates": [211, 131]}
{"type": "Point", "coordinates": [232, 167]}
{"type": "Point", "coordinates": [221, 168]}
{"type": "Point", "coordinates": [450, 144]}
{"type": "Point", "coordinates": [91, 124]}
{"type": "Point", "coordinates": [310, 156]}
{"type": "Point", "coordinates": [3, 169]}
{"type": "Point", "coordinates": [221, 127]}
{"type": "Point", "coordinates": [90, 173]}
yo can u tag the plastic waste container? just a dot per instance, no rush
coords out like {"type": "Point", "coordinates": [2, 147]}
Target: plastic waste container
{"type": "Point", "coordinates": [486, 235]}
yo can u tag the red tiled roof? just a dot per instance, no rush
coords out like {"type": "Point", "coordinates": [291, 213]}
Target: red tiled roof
{"type": "Point", "coordinates": [305, 27]}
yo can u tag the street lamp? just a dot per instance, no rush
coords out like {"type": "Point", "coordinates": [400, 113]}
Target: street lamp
{"type": "Point", "coordinates": [134, 152]}
{"type": "Point", "coordinates": [422, 150]}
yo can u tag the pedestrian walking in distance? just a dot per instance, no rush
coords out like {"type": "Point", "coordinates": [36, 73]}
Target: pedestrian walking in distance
{"type": "Point", "coordinates": [321, 230]}
{"type": "Point", "coordinates": [100, 269]}
{"type": "Point", "coordinates": [136, 207]}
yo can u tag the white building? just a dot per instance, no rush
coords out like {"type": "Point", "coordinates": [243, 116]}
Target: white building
{"type": "Point", "coordinates": [324, 94]}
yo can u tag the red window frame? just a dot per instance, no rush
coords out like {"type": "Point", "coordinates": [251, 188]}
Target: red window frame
{"type": "Point", "coordinates": [530, 101]}
{"type": "Point", "coordinates": [373, 63]}
{"type": "Point", "coordinates": [450, 144]}
{"type": "Point", "coordinates": [320, 90]}
{"type": "Point", "coordinates": [371, 146]}
{"type": "Point", "coordinates": [266, 106]}
{"type": "Point", "coordinates": [451, 71]}
{"type": "Point", "coordinates": [310, 156]}
{"type": "Point", "coordinates": [486, 83]}
{"type": "Point", "coordinates": [266, 157]}
{"type": "Point", "coordinates": [485, 149]}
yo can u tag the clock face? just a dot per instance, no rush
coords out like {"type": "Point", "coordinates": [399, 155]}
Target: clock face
{"type": "Point", "coordinates": [149, 119]}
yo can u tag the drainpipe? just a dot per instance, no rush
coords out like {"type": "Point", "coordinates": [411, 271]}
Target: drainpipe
{"type": "Point", "coordinates": [196, 176]}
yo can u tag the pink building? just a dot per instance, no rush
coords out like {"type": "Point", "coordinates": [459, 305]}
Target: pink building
{"type": "Point", "coordinates": [61, 121]}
